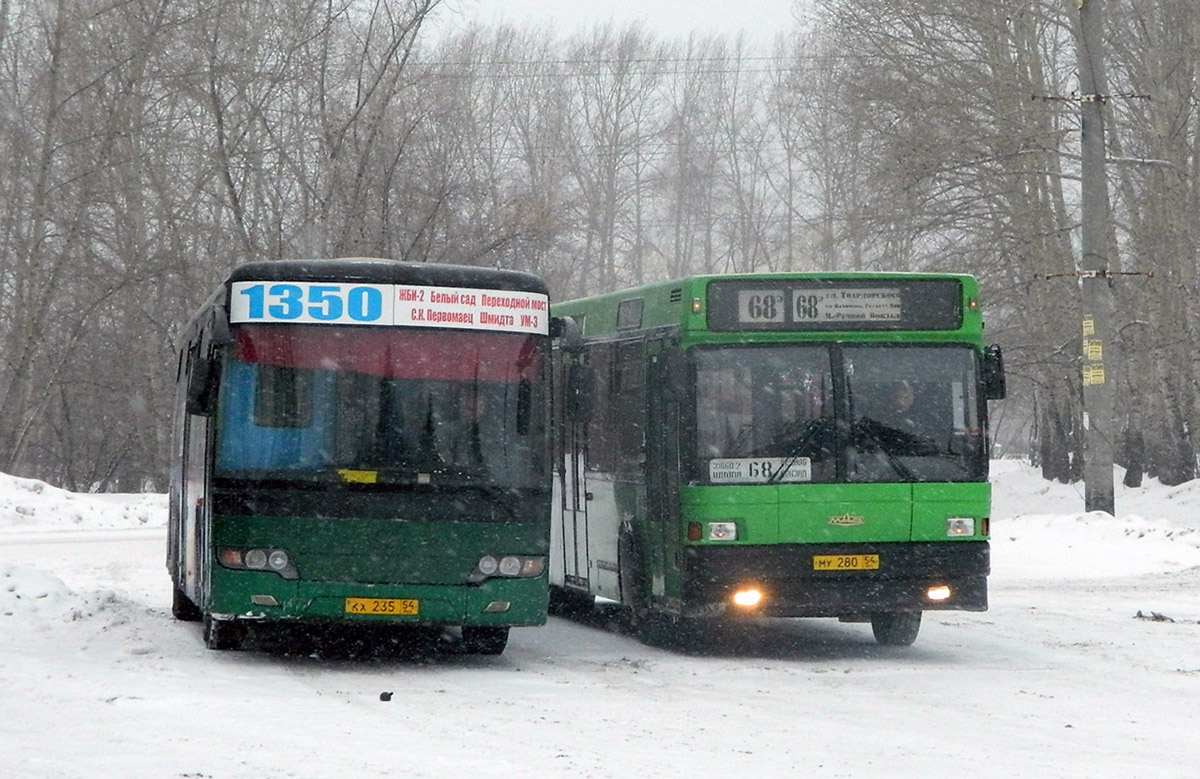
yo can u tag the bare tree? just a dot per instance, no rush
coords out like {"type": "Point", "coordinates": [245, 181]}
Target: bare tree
{"type": "Point", "coordinates": [967, 174]}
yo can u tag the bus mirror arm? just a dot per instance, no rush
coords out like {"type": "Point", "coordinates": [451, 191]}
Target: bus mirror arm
{"type": "Point", "coordinates": [994, 385]}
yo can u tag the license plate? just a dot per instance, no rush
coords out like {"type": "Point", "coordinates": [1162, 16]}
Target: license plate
{"type": "Point", "coordinates": [395, 607]}
{"type": "Point", "coordinates": [846, 562]}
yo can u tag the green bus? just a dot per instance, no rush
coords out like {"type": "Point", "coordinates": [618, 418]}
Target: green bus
{"type": "Point", "coordinates": [363, 442]}
{"type": "Point", "coordinates": [779, 445]}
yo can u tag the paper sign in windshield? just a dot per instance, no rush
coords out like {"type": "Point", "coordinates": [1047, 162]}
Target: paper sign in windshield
{"type": "Point", "coordinates": [759, 470]}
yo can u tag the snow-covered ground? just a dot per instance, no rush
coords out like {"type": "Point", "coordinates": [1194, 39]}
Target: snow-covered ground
{"type": "Point", "coordinates": [1087, 665]}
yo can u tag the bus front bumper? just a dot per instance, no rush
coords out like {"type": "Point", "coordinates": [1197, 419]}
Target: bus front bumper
{"type": "Point", "coordinates": [795, 580]}
{"type": "Point", "coordinates": [258, 596]}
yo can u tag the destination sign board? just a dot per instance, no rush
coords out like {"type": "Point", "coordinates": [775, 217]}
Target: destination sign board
{"type": "Point", "coordinates": [408, 305]}
{"type": "Point", "coordinates": [835, 304]}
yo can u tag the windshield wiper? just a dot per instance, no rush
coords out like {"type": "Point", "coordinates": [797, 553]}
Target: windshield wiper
{"type": "Point", "coordinates": [812, 428]}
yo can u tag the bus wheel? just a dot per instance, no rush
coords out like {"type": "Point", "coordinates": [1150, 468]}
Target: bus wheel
{"type": "Point", "coordinates": [478, 640]}
{"type": "Point", "coordinates": [653, 628]}
{"type": "Point", "coordinates": [221, 634]}
{"type": "Point", "coordinates": [896, 628]}
{"type": "Point", "coordinates": [182, 607]}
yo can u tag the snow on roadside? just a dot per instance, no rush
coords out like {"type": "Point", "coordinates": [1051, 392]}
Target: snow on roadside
{"type": "Point", "coordinates": [32, 505]}
{"type": "Point", "coordinates": [1040, 531]}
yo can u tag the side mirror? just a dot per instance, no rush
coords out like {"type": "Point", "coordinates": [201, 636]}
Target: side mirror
{"type": "Point", "coordinates": [202, 382]}
{"type": "Point", "coordinates": [580, 379]}
{"type": "Point", "coordinates": [220, 334]}
{"type": "Point", "coordinates": [204, 372]}
{"type": "Point", "coordinates": [994, 385]}
{"type": "Point", "coordinates": [566, 330]}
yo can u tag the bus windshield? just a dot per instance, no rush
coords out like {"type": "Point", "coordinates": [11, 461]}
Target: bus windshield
{"type": "Point", "coordinates": [382, 406]}
{"type": "Point", "coordinates": [838, 413]}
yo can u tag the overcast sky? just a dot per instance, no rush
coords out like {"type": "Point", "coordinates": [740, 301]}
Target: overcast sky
{"type": "Point", "coordinates": [758, 18]}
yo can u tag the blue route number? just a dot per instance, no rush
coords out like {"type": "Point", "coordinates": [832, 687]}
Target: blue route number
{"type": "Point", "coordinates": [313, 303]}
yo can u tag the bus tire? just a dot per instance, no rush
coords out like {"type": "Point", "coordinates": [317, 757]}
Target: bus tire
{"type": "Point", "coordinates": [222, 634]}
{"type": "Point", "coordinates": [478, 640]}
{"type": "Point", "coordinates": [654, 628]}
{"type": "Point", "coordinates": [182, 607]}
{"type": "Point", "coordinates": [896, 628]}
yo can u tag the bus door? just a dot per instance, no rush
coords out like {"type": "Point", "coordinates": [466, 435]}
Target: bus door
{"type": "Point", "coordinates": [192, 532]}
{"type": "Point", "coordinates": [194, 535]}
{"type": "Point", "coordinates": [576, 385]}
{"type": "Point", "coordinates": [663, 409]}
{"type": "Point", "coordinates": [605, 490]}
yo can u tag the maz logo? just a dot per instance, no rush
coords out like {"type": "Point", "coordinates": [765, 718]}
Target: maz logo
{"type": "Point", "coordinates": [846, 520]}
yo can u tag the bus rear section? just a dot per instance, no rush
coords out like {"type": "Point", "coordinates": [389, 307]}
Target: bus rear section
{"type": "Point", "coordinates": [389, 472]}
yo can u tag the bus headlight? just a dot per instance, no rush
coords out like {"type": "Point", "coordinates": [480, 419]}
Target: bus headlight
{"type": "Point", "coordinates": [712, 531]}
{"type": "Point", "coordinates": [511, 566]}
{"type": "Point", "coordinates": [748, 598]}
{"type": "Point", "coordinates": [938, 592]}
{"type": "Point", "coordinates": [258, 559]}
{"type": "Point", "coordinates": [960, 526]}
{"type": "Point", "coordinates": [722, 531]}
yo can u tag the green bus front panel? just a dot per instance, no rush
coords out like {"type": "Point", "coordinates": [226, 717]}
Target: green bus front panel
{"type": "Point", "coordinates": [935, 504]}
{"type": "Point", "coordinates": [782, 530]}
{"type": "Point", "coordinates": [336, 559]}
{"type": "Point", "coordinates": [810, 513]}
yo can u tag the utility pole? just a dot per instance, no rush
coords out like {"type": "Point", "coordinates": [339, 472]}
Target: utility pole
{"type": "Point", "coordinates": [1095, 279]}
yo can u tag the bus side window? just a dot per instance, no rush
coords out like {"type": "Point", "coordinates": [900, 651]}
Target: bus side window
{"type": "Point", "coordinates": [601, 456]}
{"type": "Point", "coordinates": [629, 406]}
